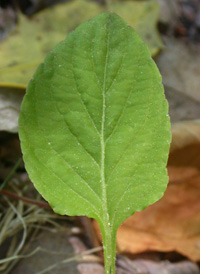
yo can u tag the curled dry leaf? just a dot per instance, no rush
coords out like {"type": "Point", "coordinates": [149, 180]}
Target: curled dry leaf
{"type": "Point", "coordinates": [172, 223]}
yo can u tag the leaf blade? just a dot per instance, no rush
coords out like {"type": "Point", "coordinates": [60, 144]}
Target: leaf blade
{"type": "Point", "coordinates": [95, 121]}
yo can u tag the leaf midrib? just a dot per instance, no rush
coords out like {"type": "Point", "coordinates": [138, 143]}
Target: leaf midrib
{"type": "Point", "coordinates": [102, 137]}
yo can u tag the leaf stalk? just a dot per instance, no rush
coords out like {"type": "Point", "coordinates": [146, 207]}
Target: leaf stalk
{"type": "Point", "coordinates": [109, 244]}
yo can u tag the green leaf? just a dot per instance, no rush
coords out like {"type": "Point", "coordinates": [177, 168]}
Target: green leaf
{"type": "Point", "coordinates": [94, 127]}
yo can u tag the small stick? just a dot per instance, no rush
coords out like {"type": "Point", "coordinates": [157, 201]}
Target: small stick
{"type": "Point", "coordinates": [24, 199]}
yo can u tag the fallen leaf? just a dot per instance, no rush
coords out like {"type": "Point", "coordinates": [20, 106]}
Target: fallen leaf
{"type": "Point", "coordinates": [34, 37]}
{"type": "Point", "coordinates": [172, 223]}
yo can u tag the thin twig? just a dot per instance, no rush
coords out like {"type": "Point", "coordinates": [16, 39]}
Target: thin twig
{"type": "Point", "coordinates": [24, 199]}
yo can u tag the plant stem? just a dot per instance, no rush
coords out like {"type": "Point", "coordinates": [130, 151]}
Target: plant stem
{"type": "Point", "coordinates": [109, 245]}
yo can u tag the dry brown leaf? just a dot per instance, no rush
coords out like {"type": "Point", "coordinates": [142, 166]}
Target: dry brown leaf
{"type": "Point", "coordinates": [172, 223]}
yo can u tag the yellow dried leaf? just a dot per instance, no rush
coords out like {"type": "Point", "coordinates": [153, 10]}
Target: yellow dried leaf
{"type": "Point", "coordinates": [33, 38]}
{"type": "Point", "coordinates": [27, 46]}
